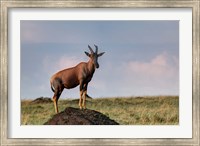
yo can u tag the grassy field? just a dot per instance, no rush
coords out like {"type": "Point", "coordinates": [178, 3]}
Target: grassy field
{"type": "Point", "coordinates": [158, 110]}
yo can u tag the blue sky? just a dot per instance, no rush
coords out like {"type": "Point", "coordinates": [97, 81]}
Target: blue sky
{"type": "Point", "coordinates": [142, 57]}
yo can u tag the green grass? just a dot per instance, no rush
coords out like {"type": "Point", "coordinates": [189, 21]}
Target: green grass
{"type": "Point", "coordinates": [158, 110]}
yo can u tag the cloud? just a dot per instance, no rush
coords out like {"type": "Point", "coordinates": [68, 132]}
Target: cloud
{"type": "Point", "coordinates": [52, 65]}
{"type": "Point", "coordinates": [65, 62]}
{"type": "Point", "coordinates": [157, 67]}
{"type": "Point", "coordinates": [159, 75]}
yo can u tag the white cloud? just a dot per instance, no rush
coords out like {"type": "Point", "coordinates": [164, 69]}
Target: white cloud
{"type": "Point", "coordinates": [51, 65]}
{"type": "Point", "coordinates": [66, 62]}
{"type": "Point", "coordinates": [159, 75]}
{"type": "Point", "coordinates": [159, 66]}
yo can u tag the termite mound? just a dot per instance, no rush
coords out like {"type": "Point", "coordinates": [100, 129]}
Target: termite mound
{"type": "Point", "coordinates": [75, 116]}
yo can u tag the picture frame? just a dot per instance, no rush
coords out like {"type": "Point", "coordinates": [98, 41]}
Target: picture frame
{"type": "Point", "coordinates": [6, 5]}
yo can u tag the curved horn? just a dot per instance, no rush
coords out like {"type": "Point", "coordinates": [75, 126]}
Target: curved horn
{"type": "Point", "coordinates": [96, 49]}
{"type": "Point", "coordinates": [91, 49]}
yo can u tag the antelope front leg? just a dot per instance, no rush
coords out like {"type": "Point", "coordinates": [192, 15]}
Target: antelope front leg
{"type": "Point", "coordinates": [84, 96]}
{"type": "Point", "coordinates": [81, 94]}
{"type": "Point", "coordinates": [81, 100]}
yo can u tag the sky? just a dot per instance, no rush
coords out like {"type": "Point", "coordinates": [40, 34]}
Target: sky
{"type": "Point", "coordinates": [141, 57]}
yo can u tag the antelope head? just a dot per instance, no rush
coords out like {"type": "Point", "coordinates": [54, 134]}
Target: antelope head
{"type": "Point", "coordinates": [94, 56]}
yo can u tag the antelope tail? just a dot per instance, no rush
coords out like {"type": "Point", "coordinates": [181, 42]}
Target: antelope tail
{"type": "Point", "coordinates": [52, 88]}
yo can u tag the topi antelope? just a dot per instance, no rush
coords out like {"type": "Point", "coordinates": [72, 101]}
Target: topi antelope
{"type": "Point", "coordinates": [81, 75]}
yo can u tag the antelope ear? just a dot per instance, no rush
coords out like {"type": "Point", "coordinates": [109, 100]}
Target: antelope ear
{"type": "Point", "coordinates": [100, 54]}
{"type": "Point", "coordinates": [88, 54]}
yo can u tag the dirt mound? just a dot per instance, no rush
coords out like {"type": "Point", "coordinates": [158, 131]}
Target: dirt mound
{"type": "Point", "coordinates": [74, 116]}
{"type": "Point", "coordinates": [42, 100]}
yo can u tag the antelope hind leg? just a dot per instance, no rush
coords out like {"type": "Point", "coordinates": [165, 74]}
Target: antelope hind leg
{"type": "Point", "coordinates": [55, 101]}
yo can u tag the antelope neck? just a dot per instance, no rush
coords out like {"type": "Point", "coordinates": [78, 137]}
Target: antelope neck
{"type": "Point", "coordinates": [91, 66]}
